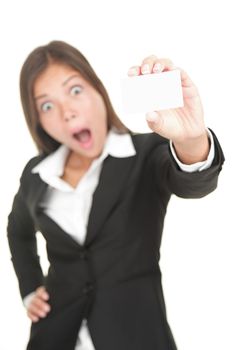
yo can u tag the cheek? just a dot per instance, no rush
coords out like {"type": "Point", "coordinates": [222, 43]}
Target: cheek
{"type": "Point", "coordinates": [101, 125]}
{"type": "Point", "coordinates": [52, 128]}
{"type": "Point", "coordinates": [46, 125]}
{"type": "Point", "coordinates": [98, 108]}
{"type": "Point", "coordinates": [102, 115]}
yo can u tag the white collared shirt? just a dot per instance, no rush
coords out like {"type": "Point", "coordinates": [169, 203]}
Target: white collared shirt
{"type": "Point", "coordinates": [70, 207]}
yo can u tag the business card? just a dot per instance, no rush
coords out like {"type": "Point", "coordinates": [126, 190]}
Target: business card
{"type": "Point", "coordinates": [152, 92]}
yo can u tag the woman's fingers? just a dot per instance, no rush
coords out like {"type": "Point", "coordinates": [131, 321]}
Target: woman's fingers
{"type": "Point", "coordinates": [32, 317]}
{"type": "Point", "coordinates": [38, 307]}
{"type": "Point", "coordinates": [42, 293]}
{"type": "Point", "coordinates": [151, 64]}
{"type": "Point", "coordinates": [134, 70]}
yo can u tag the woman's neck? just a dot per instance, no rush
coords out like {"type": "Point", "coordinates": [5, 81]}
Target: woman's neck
{"type": "Point", "coordinates": [75, 168]}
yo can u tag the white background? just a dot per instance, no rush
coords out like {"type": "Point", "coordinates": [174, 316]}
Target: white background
{"type": "Point", "coordinates": [196, 253]}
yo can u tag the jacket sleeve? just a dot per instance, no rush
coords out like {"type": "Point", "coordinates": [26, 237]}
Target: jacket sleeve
{"type": "Point", "coordinates": [183, 184]}
{"type": "Point", "coordinates": [23, 245]}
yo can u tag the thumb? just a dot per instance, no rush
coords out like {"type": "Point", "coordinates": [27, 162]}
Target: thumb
{"type": "Point", "coordinates": [154, 120]}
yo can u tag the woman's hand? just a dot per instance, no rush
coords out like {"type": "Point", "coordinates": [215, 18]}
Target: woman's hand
{"type": "Point", "coordinates": [38, 306]}
{"type": "Point", "coordinates": [184, 126]}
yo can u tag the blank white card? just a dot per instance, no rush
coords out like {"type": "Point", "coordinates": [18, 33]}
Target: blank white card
{"type": "Point", "coordinates": [152, 92]}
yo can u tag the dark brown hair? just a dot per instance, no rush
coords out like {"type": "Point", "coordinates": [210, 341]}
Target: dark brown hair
{"type": "Point", "coordinates": [37, 61]}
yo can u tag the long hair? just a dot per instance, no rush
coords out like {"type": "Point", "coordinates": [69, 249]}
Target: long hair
{"type": "Point", "coordinates": [37, 61]}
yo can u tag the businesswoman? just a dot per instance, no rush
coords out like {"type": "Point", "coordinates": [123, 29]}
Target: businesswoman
{"type": "Point", "coordinates": [98, 194]}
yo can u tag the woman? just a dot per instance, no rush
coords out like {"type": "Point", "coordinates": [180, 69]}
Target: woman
{"type": "Point", "coordinates": [99, 194]}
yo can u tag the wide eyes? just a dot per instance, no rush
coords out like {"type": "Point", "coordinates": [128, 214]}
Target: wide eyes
{"type": "Point", "coordinates": [47, 106]}
{"type": "Point", "coordinates": [75, 90]}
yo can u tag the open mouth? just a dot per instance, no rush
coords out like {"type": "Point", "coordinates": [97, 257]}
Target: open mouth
{"type": "Point", "coordinates": [83, 137]}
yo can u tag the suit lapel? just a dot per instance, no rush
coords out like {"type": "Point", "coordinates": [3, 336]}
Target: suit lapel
{"type": "Point", "coordinates": [38, 188]}
{"type": "Point", "coordinates": [34, 197]}
{"type": "Point", "coordinates": [113, 179]}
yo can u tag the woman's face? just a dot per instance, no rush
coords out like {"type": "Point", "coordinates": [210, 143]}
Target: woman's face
{"type": "Point", "coordinates": [70, 110]}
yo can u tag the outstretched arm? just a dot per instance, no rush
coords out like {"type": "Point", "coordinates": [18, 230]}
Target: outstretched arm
{"type": "Point", "coordinates": [184, 126]}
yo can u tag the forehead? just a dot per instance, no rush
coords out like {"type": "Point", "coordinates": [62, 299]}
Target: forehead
{"type": "Point", "coordinates": [54, 74]}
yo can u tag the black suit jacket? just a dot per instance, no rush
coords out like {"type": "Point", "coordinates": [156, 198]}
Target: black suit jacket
{"type": "Point", "coordinates": [113, 280]}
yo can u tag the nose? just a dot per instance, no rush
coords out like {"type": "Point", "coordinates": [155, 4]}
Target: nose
{"type": "Point", "coordinates": [69, 116]}
{"type": "Point", "coordinates": [68, 110]}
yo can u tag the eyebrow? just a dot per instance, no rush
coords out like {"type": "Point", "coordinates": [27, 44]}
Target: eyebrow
{"type": "Point", "coordinates": [70, 78]}
{"type": "Point", "coordinates": [40, 96]}
{"type": "Point", "coordinates": [63, 84]}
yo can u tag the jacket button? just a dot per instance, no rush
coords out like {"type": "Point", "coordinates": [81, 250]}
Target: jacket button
{"type": "Point", "coordinates": [88, 288]}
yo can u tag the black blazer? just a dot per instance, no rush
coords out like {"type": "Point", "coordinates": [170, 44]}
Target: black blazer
{"type": "Point", "coordinates": [113, 280]}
